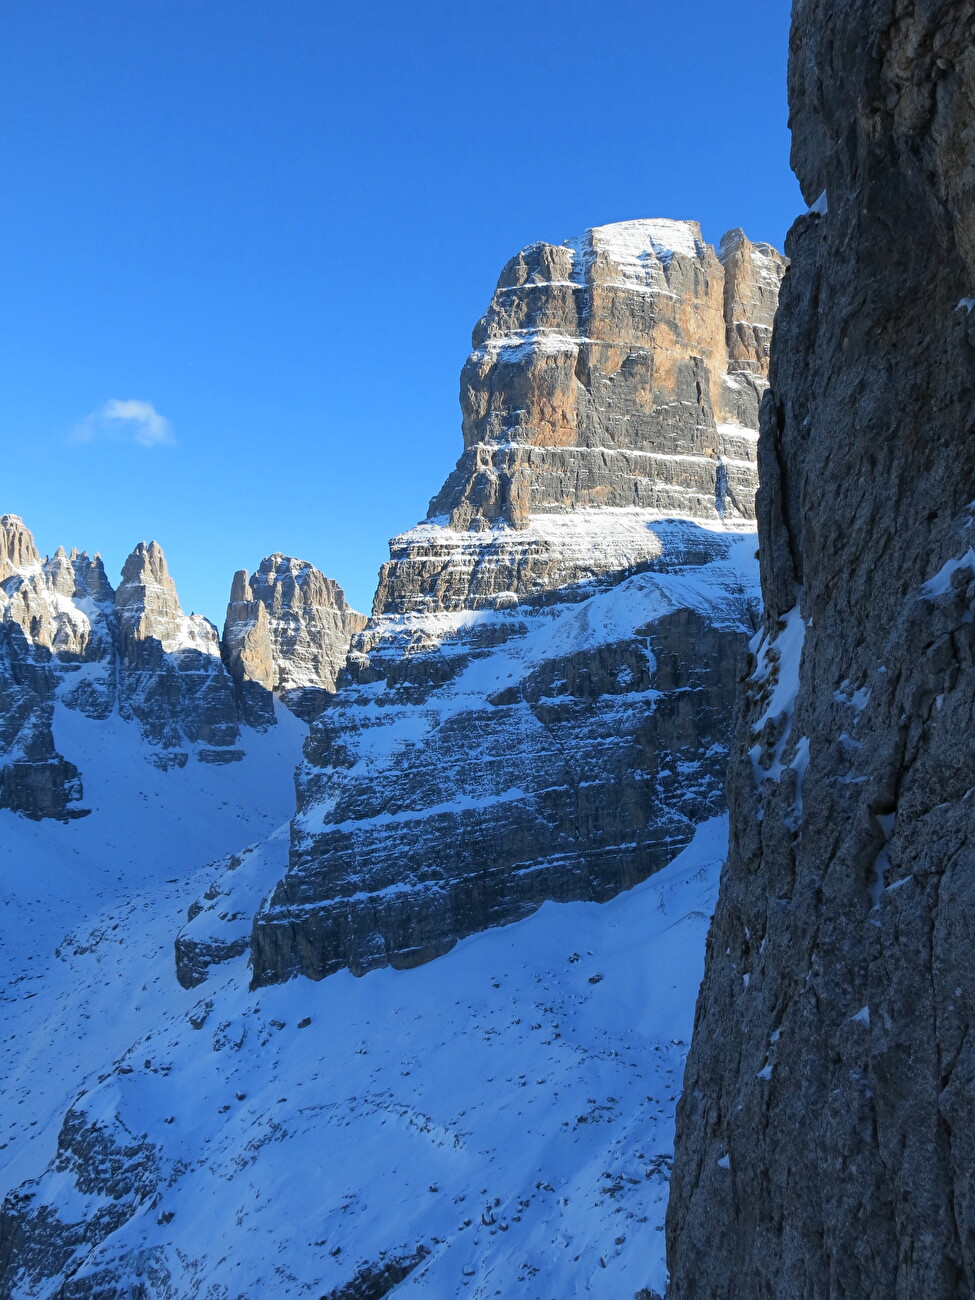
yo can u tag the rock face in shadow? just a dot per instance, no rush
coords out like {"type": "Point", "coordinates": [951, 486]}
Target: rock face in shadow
{"type": "Point", "coordinates": [67, 639]}
{"type": "Point", "coordinates": [288, 631]}
{"type": "Point", "coordinates": [539, 707]}
{"type": "Point", "coordinates": [825, 1135]}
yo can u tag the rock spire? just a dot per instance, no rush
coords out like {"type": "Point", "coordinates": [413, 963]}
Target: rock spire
{"type": "Point", "coordinates": [67, 637]}
{"type": "Point", "coordinates": [288, 630]}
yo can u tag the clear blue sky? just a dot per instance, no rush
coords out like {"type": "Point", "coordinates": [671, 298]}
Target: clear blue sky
{"type": "Point", "coordinates": [277, 223]}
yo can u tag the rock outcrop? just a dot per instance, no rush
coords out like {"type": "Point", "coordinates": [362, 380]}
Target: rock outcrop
{"type": "Point", "coordinates": [619, 369]}
{"type": "Point", "coordinates": [825, 1140]}
{"type": "Point", "coordinates": [538, 707]}
{"type": "Point", "coordinates": [288, 631]}
{"type": "Point", "coordinates": [171, 676]}
{"type": "Point", "coordinates": [56, 634]}
{"type": "Point", "coordinates": [68, 639]}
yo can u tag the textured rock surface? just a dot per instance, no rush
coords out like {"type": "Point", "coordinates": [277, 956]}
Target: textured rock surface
{"type": "Point", "coordinates": [538, 708]}
{"type": "Point", "coordinates": [171, 676]}
{"type": "Point", "coordinates": [288, 630]}
{"type": "Point", "coordinates": [114, 1173]}
{"type": "Point", "coordinates": [68, 639]}
{"type": "Point", "coordinates": [481, 763]}
{"type": "Point", "coordinates": [620, 369]}
{"type": "Point", "coordinates": [56, 630]}
{"type": "Point", "coordinates": [825, 1135]}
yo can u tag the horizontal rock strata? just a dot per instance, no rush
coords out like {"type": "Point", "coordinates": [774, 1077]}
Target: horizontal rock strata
{"type": "Point", "coordinates": [538, 707]}
{"type": "Point", "coordinates": [622, 369]}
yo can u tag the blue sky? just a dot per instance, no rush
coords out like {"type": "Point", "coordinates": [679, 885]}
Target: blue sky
{"type": "Point", "coordinates": [244, 244]}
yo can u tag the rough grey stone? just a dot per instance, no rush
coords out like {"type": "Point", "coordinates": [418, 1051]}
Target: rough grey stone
{"type": "Point", "coordinates": [825, 1134]}
{"type": "Point", "coordinates": [288, 630]}
{"type": "Point", "coordinates": [620, 369]}
{"type": "Point", "coordinates": [66, 635]}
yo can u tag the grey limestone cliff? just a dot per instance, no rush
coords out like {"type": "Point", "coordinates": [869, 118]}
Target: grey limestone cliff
{"type": "Point", "coordinates": [288, 631]}
{"type": "Point", "coordinates": [825, 1134]}
{"type": "Point", "coordinates": [539, 707]}
{"type": "Point", "coordinates": [55, 632]}
{"type": "Point", "coordinates": [620, 369]}
{"type": "Point", "coordinates": [68, 640]}
{"type": "Point", "coordinates": [171, 677]}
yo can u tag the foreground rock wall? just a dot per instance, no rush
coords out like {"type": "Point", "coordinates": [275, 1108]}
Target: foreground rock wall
{"type": "Point", "coordinates": [825, 1135]}
{"type": "Point", "coordinates": [539, 706]}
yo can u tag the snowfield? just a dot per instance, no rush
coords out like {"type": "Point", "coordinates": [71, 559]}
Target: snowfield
{"type": "Point", "coordinates": [496, 1123]}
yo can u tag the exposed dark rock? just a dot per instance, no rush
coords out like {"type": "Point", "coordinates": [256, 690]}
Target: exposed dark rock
{"type": "Point", "coordinates": [825, 1136]}
{"type": "Point", "coordinates": [114, 1174]}
{"type": "Point", "coordinates": [373, 1281]}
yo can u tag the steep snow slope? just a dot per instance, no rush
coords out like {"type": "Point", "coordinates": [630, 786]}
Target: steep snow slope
{"type": "Point", "coordinates": [499, 1121]}
{"type": "Point", "coordinates": [148, 834]}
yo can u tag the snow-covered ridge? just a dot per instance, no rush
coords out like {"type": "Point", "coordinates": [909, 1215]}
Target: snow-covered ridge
{"type": "Point", "coordinates": [638, 248]}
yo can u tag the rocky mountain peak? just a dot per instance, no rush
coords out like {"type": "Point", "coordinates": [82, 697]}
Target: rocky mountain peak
{"type": "Point", "coordinates": [148, 606]}
{"type": "Point", "coordinates": [144, 568]}
{"type": "Point", "coordinates": [17, 548]}
{"type": "Point", "coordinates": [587, 363]}
{"type": "Point", "coordinates": [538, 707]}
{"type": "Point", "coordinates": [288, 629]}
{"type": "Point", "coordinates": [66, 636]}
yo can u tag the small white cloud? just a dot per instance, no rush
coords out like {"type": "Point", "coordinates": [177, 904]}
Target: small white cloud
{"type": "Point", "coordinates": [125, 421]}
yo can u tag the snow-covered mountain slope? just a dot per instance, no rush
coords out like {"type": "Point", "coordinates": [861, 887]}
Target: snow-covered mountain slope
{"type": "Point", "coordinates": [538, 712]}
{"type": "Point", "coordinates": [149, 833]}
{"type": "Point", "coordinates": [497, 1123]}
{"type": "Point", "coordinates": [481, 761]}
{"type": "Point", "coordinates": [541, 703]}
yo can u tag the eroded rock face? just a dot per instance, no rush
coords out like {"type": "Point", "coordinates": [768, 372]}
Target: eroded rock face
{"type": "Point", "coordinates": [825, 1135]}
{"type": "Point", "coordinates": [56, 637]}
{"type": "Point", "coordinates": [171, 676]}
{"type": "Point", "coordinates": [288, 630]}
{"type": "Point", "coordinates": [621, 369]}
{"type": "Point", "coordinates": [114, 1174]}
{"type": "Point", "coordinates": [17, 549]}
{"type": "Point", "coordinates": [68, 638]}
{"type": "Point", "coordinates": [539, 707]}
